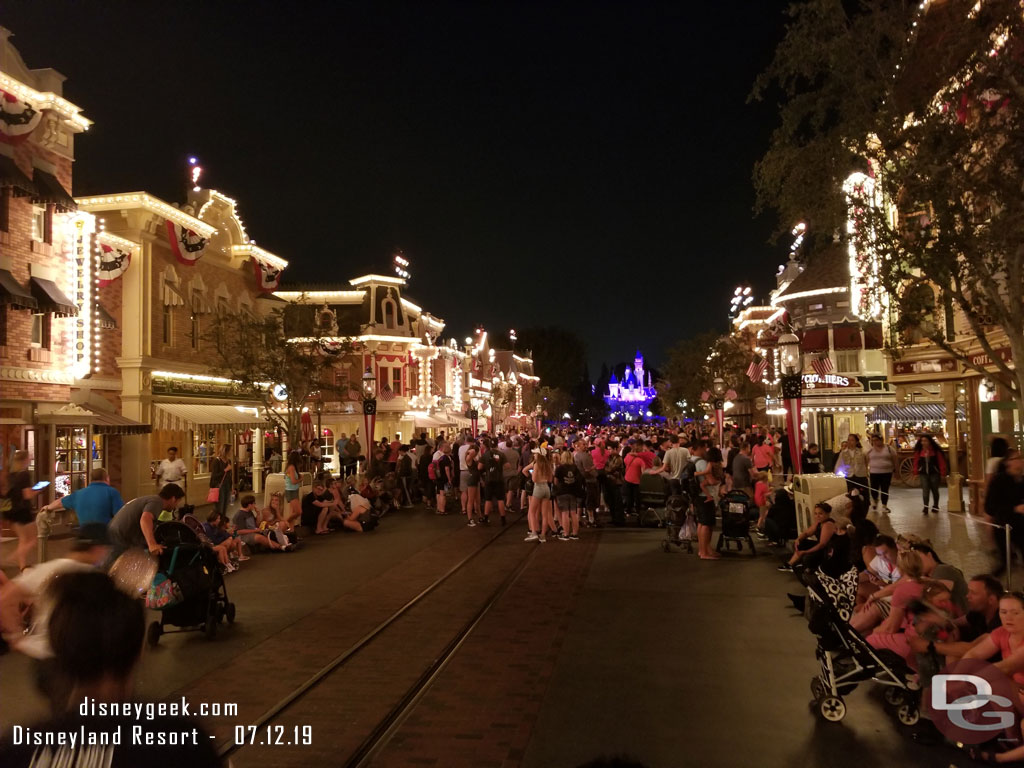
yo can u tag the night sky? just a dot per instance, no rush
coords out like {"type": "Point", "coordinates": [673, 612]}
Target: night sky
{"type": "Point", "coordinates": [583, 165]}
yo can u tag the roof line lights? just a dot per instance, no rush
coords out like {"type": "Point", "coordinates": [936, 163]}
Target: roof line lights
{"type": "Point", "coordinates": [808, 294]}
{"type": "Point", "coordinates": [340, 296]}
{"type": "Point", "coordinates": [149, 203]}
{"type": "Point", "coordinates": [376, 279]}
{"type": "Point", "coordinates": [46, 100]}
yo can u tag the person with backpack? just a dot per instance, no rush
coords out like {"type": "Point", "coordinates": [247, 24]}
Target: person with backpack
{"type": "Point", "coordinates": [614, 473]}
{"type": "Point", "coordinates": [492, 463]}
{"type": "Point", "coordinates": [441, 473]}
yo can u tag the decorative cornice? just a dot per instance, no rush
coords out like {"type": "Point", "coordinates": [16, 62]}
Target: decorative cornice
{"type": "Point", "coordinates": [35, 375]}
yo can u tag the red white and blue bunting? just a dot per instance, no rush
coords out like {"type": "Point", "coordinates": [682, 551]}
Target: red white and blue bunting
{"type": "Point", "coordinates": [267, 277]}
{"type": "Point", "coordinates": [17, 118]}
{"type": "Point", "coordinates": [186, 245]}
{"type": "Point", "coordinates": [113, 263]}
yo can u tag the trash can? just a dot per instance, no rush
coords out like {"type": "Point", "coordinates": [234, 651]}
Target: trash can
{"type": "Point", "coordinates": [808, 490]}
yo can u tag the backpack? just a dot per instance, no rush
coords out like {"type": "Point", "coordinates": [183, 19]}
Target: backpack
{"type": "Point", "coordinates": [434, 470]}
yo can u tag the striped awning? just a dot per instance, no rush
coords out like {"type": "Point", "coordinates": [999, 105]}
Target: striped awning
{"type": "Point", "coordinates": [102, 422]}
{"type": "Point", "coordinates": [913, 412]}
{"type": "Point", "coordinates": [184, 416]}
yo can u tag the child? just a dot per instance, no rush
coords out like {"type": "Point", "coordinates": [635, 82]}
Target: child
{"type": "Point", "coordinates": [761, 491]}
{"type": "Point", "coordinates": [811, 460]}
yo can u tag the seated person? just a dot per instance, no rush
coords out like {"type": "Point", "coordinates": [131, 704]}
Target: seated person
{"type": "Point", "coordinates": [274, 526]}
{"type": "Point", "coordinates": [982, 617]}
{"type": "Point", "coordinates": [880, 571]}
{"type": "Point", "coordinates": [316, 507]}
{"type": "Point", "coordinates": [360, 517]}
{"type": "Point", "coordinates": [886, 608]}
{"type": "Point", "coordinates": [812, 544]}
{"type": "Point", "coordinates": [1006, 641]}
{"type": "Point", "coordinates": [223, 543]}
{"type": "Point", "coordinates": [248, 529]}
{"type": "Point", "coordinates": [780, 521]}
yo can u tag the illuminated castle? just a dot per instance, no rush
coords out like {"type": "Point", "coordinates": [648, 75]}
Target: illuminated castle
{"type": "Point", "coordinates": [630, 397]}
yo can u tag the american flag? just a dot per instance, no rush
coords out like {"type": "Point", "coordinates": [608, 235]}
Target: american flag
{"type": "Point", "coordinates": [822, 364]}
{"type": "Point", "coordinates": [386, 394]}
{"type": "Point", "coordinates": [757, 368]}
{"type": "Point", "coordinates": [705, 396]}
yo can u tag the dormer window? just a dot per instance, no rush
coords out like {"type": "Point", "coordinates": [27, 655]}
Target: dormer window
{"type": "Point", "coordinates": [390, 308]}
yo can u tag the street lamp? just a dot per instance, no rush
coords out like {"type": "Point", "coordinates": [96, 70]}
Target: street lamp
{"type": "Point", "coordinates": [538, 414]}
{"type": "Point", "coordinates": [792, 368]}
{"type": "Point", "coordinates": [718, 387]}
{"type": "Point", "coordinates": [474, 417]}
{"type": "Point", "coordinates": [369, 408]}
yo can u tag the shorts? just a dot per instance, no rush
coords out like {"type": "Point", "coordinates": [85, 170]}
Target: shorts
{"type": "Point", "coordinates": [494, 491]}
{"type": "Point", "coordinates": [566, 503]}
{"type": "Point", "coordinates": [19, 516]}
{"type": "Point", "coordinates": [441, 486]}
{"type": "Point", "coordinates": [249, 539]}
{"type": "Point", "coordinates": [291, 495]}
{"type": "Point", "coordinates": [464, 480]}
{"type": "Point", "coordinates": [541, 491]}
{"type": "Point", "coordinates": [706, 513]}
{"type": "Point", "coordinates": [512, 483]}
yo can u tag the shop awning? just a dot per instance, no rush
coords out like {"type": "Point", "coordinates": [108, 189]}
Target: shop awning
{"type": "Point", "coordinates": [12, 176]}
{"type": "Point", "coordinates": [49, 190]}
{"type": "Point", "coordinates": [185, 416]}
{"type": "Point", "coordinates": [51, 298]}
{"type": "Point", "coordinates": [846, 336]}
{"type": "Point", "coordinates": [107, 323]}
{"type": "Point", "coordinates": [873, 337]}
{"type": "Point", "coordinates": [13, 295]}
{"type": "Point", "coordinates": [814, 340]}
{"type": "Point", "coordinates": [913, 412]}
{"type": "Point", "coordinates": [102, 422]}
{"type": "Point", "coordinates": [429, 422]}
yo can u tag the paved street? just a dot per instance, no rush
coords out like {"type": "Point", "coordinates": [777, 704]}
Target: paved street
{"type": "Point", "coordinates": [605, 646]}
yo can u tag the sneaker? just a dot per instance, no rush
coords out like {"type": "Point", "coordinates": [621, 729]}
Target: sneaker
{"type": "Point", "coordinates": [542, 540]}
{"type": "Point", "coordinates": [531, 536]}
{"type": "Point", "coordinates": [562, 537]}
{"type": "Point", "coordinates": [574, 537]}
{"type": "Point", "coordinates": [885, 509]}
{"type": "Point", "coordinates": [471, 523]}
{"type": "Point", "coordinates": [786, 568]}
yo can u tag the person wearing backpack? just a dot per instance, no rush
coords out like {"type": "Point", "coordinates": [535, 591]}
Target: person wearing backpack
{"type": "Point", "coordinates": [442, 474]}
{"type": "Point", "coordinates": [614, 471]}
{"type": "Point", "coordinates": [492, 464]}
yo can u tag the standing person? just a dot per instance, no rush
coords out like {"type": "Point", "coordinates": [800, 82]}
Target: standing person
{"type": "Point", "coordinates": [98, 502]}
{"type": "Point", "coordinates": [810, 460]}
{"type": "Point", "coordinates": [222, 474]}
{"type": "Point", "coordinates": [929, 464]}
{"type": "Point", "coordinates": [1004, 501]}
{"type": "Point", "coordinates": [21, 514]}
{"type": "Point", "coordinates": [881, 460]}
{"type": "Point", "coordinates": [675, 460]}
{"type": "Point", "coordinates": [132, 526]}
{"type": "Point", "coordinates": [292, 486]}
{"type": "Point", "coordinates": [443, 474]}
{"type": "Point", "coordinates": [510, 473]}
{"type": "Point", "coordinates": [492, 464]}
{"type": "Point", "coordinates": [614, 473]}
{"type": "Point", "coordinates": [339, 450]}
{"type": "Point", "coordinates": [591, 493]}
{"type": "Point", "coordinates": [707, 467]}
{"type": "Point", "coordinates": [743, 470]}
{"type": "Point", "coordinates": [568, 489]}
{"type": "Point", "coordinates": [853, 464]}
{"type": "Point", "coordinates": [539, 516]}
{"type": "Point", "coordinates": [405, 472]}
{"type": "Point", "coordinates": [171, 470]}
{"type": "Point", "coordinates": [782, 441]}
{"type": "Point", "coordinates": [762, 454]}
{"type": "Point", "coordinates": [470, 479]}
{"type": "Point", "coordinates": [637, 462]}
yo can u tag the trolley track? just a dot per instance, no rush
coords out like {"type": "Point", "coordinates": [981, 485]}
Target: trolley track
{"type": "Point", "coordinates": [411, 641]}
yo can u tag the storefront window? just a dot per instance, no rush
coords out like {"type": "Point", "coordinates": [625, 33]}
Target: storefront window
{"type": "Point", "coordinates": [72, 459]}
{"type": "Point", "coordinates": [203, 449]}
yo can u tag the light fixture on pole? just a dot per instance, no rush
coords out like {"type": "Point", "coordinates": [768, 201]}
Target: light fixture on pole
{"type": "Point", "coordinates": [718, 387]}
{"type": "Point", "coordinates": [538, 414]}
{"type": "Point", "coordinates": [792, 368]}
{"type": "Point", "coordinates": [369, 409]}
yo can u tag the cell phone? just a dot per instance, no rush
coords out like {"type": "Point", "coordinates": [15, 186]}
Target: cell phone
{"type": "Point", "coordinates": [40, 485]}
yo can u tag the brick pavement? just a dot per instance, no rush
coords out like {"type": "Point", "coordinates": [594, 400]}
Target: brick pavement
{"type": "Point", "coordinates": [482, 710]}
{"type": "Point", "coordinates": [266, 673]}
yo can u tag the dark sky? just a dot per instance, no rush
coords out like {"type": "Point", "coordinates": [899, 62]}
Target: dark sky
{"type": "Point", "coordinates": [584, 165]}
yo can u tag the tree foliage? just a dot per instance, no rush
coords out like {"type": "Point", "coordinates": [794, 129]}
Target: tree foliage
{"type": "Point", "coordinates": [692, 366]}
{"type": "Point", "coordinates": [259, 352]}
{"type": "Point", "coordinates": [930, 104]}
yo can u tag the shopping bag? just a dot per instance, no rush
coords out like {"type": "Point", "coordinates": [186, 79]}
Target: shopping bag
{"type": "Point", "coordinates": [213, 496]}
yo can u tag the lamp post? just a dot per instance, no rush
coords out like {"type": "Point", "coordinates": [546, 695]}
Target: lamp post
{"type": "Point", "coordinates": [538, 413]}
{"type": "Point", "coordinates": [791, 363]}
{"type": "Point", "coordinates": [369, 409]}
{"type": "Point", "coordinates": [718, 388]}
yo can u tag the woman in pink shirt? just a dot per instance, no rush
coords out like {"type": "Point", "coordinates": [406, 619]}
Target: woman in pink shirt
{"type": "Point", "coordinates": [638, 460]}
{"type": "Point", "coordinates": [763, 453]}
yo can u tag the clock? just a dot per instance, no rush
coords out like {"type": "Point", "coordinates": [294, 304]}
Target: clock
{"type": "Point", "coordinates": [279, 392]}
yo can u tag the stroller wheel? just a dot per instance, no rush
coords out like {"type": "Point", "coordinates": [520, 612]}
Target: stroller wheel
{"type": "Point", "coordinates": [817, 688]}
{"type": "Point", "coordinates": [832, 708]}
{"type": "Point", "coordinates": [229, 613]}
{"type": "Point", "coordinates": [908, 714]}
{"type": "Point", "coordinates": [153, 633]}
{"type": "Point", "coordinates": [893, 696]}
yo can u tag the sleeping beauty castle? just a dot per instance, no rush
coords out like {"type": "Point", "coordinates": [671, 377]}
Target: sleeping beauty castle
{"type": "Point", "coordinates": [629, 399]}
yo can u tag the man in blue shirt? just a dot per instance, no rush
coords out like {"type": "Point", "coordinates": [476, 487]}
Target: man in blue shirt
{"type": "Point", "coordinates": [98, 502]}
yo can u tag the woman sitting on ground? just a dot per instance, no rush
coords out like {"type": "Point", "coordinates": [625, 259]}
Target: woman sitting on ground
{"type": "Point", "coordinates": [886, 608]}
{"type": "Point", "coordinates": [812, 544]}
{"type": "Point", "coordinates": [880, 568]}
{"type": "Point", "coordinates": [273, 524]}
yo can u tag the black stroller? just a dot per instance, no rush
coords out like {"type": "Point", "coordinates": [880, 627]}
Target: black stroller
{"type": "Point", "coordinates": [847, 659]}
{"type": "Point", "coordinates": [736, 509]}
{"type": "Point", "coordinates": [193, 567]}
{"type": "Point", "coordinates": [653, 497]}
{"type": "Point", "coordinates": [680, 524]}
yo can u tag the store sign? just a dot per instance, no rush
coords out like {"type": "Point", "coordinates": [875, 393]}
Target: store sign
{"type": "Point", "coordinates": [813, 380]}
{"type": "Point", "coordinates": [931, 365]}
{"type": "Point", "coordinates": [79, 238]}
{"type": "Point", "coordinates": [166, 386]}
{"type": "Point", "coordinates": [983, 359]}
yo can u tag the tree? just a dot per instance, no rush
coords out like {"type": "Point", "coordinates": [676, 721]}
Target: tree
{"type": "Point", "coordinates": [558, 355]}
{"type": "Point", "coordinates": [283, 359]}
{"type": "Point", "coordinates": [554, 402]}
{"type": "Point", "coordinates": [692, 366]}
{"type": "Point", "coordinates": [928, 102]}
